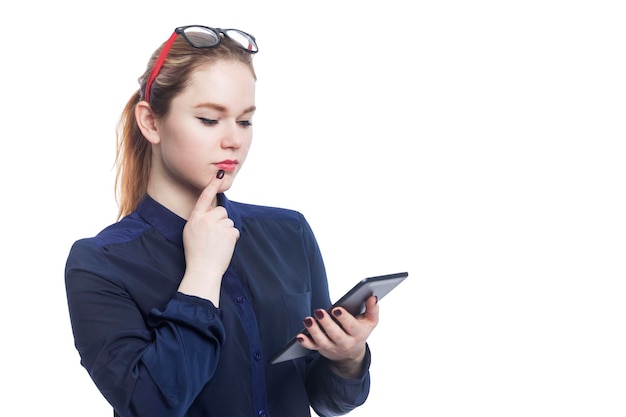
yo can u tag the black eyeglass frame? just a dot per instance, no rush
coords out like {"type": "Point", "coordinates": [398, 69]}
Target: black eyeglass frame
{"type": "Point", "coordinates": [253, 47]}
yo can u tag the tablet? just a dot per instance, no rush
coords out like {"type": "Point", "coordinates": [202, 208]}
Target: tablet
{"type": "Point", "coordinates": [353, 301]}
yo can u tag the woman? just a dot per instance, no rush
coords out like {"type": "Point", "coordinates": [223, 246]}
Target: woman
{"type": "Point", "coordinates": [176, 307]}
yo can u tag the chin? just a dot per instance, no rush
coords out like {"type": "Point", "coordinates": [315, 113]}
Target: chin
{"type": "Point", "coordinates": [226, 184]}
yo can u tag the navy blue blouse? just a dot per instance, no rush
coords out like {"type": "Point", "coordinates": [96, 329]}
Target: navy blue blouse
{"type": "Point", "coordinates": [153, 351]}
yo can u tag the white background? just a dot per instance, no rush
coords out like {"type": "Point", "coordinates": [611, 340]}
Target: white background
{"type": "Point", "coordinates": [478, 145]}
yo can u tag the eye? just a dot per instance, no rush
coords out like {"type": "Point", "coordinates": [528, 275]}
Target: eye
{"type": "Point", "coordinates": [245, 123]}
{"type": "Point", "coordinates": [208, 122]}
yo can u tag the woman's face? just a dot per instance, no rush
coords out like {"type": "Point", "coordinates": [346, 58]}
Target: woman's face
{"type": "Point", "coordinates": [208, 128]}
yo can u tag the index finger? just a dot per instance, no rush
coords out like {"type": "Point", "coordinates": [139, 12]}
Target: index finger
{"type": "Point", "coordinates": [203, 204]}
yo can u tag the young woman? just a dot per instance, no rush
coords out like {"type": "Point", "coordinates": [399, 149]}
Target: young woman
{"type": "Point", "coordinates": [177, 307]}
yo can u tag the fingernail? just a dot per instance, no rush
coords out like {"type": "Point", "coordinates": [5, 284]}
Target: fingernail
{"type": "Point", "coordinates": [300, 339]}
{"type": "Point", "coordinates": [319, 314]}
{"type": "Point", "coordinates": [308, 322]}
{"type": "Point", "coordinates": [376, 299]}
{"type": "Point", "coordinates": [337, 313]}
{"type": "Point", "coordinates": [220, 174]}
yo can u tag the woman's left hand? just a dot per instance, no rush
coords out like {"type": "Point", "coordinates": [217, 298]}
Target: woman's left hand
{"type": "Point", "coordinates": [341, 341]}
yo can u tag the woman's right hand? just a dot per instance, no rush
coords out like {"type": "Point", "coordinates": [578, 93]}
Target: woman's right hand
{"type": "Point", "coordinates": [209, 239]}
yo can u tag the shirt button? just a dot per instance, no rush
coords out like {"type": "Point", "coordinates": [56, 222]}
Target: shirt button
{"type": "Point", "coordinates": [241, 299]}
{"type": "Point", "coordinates": [261, 413]}
{"type": "Point", "coordinates": [257, 356]}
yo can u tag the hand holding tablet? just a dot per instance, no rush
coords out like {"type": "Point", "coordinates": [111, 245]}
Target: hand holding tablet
{"type": "Point", "coordinates": [353, 301]}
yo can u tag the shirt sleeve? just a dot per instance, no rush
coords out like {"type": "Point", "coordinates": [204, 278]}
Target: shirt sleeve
{"type": "Point", "coordinates": [329, 394]}
{"type": "Point", "coordinates": [332, 395]}
{"type": "Point", "coordinates": [144, 366]}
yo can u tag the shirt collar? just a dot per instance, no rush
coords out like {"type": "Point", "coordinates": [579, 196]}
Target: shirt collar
{"type": "Point", "coordinates": [171, 225]}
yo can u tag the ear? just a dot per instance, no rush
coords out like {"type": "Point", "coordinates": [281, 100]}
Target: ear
{"type": "Point", "coordinates": [146, 122]}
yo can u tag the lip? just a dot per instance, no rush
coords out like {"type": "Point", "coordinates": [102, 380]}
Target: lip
{"type": "Point", "coordinates": [227, 165]}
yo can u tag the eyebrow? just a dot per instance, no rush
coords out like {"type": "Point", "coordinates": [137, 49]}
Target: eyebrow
{"type": "Point", "coordinates": [223, 109]}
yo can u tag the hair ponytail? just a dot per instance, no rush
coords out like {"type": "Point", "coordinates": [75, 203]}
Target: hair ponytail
{"type": "Point", "coordinates": [132, 161]}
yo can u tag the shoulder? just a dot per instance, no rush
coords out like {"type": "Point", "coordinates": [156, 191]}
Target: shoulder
{"type": "Point", "coordinates": [119, 244]}
{"type": "Point", "coordinates": [270, 221]}
{"type": "Point", "coordinates": [245, 210]}
{"type": "Point", "coordinates": [126, 230]}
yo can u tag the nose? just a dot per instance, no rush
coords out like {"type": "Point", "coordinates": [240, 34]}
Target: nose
{"type": "Point", "coordinates": [233, 135]}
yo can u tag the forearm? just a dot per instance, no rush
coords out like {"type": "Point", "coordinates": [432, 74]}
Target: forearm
{"type": "Point", "coordinates": [330, 393]}
{"type": "Point", "coordinates": [159, 371]}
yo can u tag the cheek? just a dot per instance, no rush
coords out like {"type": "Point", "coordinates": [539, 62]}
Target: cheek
{"type": "Point", "coordinates": [184, 155]}
{"type": "Point", "coordinates": [245, 147]}
{"type": "Point", "coordinates": [173, 150]}
{"type": "Point", "coordinates": [185, 141]}
{"type": "Point", "coordinates": [243, 153]}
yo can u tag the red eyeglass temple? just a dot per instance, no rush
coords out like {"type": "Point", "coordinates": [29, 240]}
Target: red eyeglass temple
{"type": "Point", "coordinates": [159, 63]}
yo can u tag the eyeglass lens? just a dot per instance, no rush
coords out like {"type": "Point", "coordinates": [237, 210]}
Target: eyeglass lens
{"type": "Point", "coordinates": [242, 39]}
{"type": "Point", "coordinates": [201, 37]}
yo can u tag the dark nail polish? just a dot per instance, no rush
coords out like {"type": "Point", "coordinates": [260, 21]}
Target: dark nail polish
{"type": "Point", "coordinates": [337, 313]}
{"type": "Point", "coordinates": [300, 339]}
{"type": "Point", "coordinates": [319, 314]}
{"type": "Point", "coordinates": [220, 174]}
{"type": "Point", "coordinates": [308, 322]}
